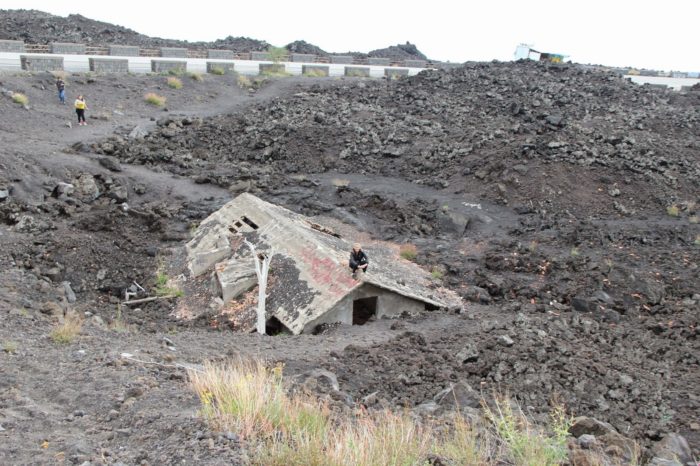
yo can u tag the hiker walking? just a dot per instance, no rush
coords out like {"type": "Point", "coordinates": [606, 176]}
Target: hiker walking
{"type": "Point", "coordinates": [358, 259]}
{"type": "Point", "coordinates": [80, 107]}
{"type": "Point", "coordinates": [61, 86]}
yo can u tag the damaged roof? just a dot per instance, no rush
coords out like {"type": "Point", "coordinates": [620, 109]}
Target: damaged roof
{"type": "Point", "coordinates": [309, 270]}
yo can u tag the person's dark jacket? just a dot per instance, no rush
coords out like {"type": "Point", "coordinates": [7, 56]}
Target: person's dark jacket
{"type": "Point", "coordinates": [358, 258]}
{"type": "Point", "coordinates": [60, 85]}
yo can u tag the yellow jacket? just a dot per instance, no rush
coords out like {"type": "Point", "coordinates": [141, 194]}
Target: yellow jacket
{"type": "Point", "coordinates": [80, 104]}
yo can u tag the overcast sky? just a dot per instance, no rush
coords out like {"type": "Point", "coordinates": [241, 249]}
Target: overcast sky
{"type": "Point", "coordinates": [663, 34]}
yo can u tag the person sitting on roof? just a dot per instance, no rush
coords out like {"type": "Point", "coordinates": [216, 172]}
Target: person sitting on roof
{"type": "Point", "coordinates": [358, 259]}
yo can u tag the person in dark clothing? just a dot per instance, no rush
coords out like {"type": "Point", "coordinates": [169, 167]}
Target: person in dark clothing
{"type": "Point", "coordinates": [358, 259]}
{"type": "Point", "coordinates": [61, 86]}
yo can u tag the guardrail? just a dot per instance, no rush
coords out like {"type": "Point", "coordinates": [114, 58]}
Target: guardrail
{"type": "Point", "coordinates": [103, 50]}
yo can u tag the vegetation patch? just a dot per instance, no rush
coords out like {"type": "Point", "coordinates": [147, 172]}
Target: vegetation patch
{"type": "Point", "coordinates": [196, 76]}
{"type": "Point", "coordinates": [154, 99]}
{"type": "Point", "coordinates": [174, 83]}
{"type": "Point", "coordinates": [280, 429]}
{"type": "Point", "coordinates": [67, 331]}
{"type": "Point", "coordinates": [20, 98]}
{"type": "Point", "coordinates": [673, 210]}
{"type": "Point", "coordinates": [218, 71]}
{"type": "Point", "coordinates": [164, 286]}
{"type": "Point", "coordinates": [9, 346]}
{"type": "Point", "coordinates": [408, 251]}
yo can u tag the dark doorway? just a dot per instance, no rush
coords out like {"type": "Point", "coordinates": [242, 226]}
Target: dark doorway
{"type": "Point", "coordinates": [363, 309]}
{"type": "Point", "coordinates": [273, 326]}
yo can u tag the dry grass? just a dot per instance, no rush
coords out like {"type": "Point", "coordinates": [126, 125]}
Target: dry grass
{"type": "Point", "coordinates": [9, 346]}
{"type": "Point", "coordinates": [673, 210]}
{"type": "Point", "coordinates": [340, 182]}
{"type": "Point", "coordinates": [280, 429]}
{"type": "Point", "coordinates": [174, 83]}
{"type": "Point", "coordinates": [196, 76]}
{"type": "Point", "coordinates": [67, 331]}
{"type": "Point", "coordinates": [244, 81]}
{"type": "Point", "coordinates": [155, 99]}
{"type": "Point", "coordinates": [217, 70]}
{"type": "Point", "coordinates": [525, 443]}
{"type": "Point", "coordinates": [20, 98]}
{"type": "Point", "coordinates": [436, 273]}
{"type": "Point", "coordinates": [408, 251]}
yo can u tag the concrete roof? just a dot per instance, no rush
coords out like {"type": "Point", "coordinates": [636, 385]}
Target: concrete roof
{"type": "Point", "coordinates": [309, 271]}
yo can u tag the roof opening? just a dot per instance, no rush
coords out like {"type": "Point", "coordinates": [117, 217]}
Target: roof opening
{"type": "Point", "coordinates": [249, 222]}
{"type": "Point", "coordinates": [363, 310]}
{"type": "Point", "coordinates": [273, 326]}
{"type": "Point", "coordinates": [323, 229]}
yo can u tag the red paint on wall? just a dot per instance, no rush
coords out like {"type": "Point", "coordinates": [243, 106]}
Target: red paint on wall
{"type": "Point", "coordinates": [326, 273]}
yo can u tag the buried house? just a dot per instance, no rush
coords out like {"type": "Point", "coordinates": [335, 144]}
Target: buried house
{"type": "Point", "coordinates": [309, 281]}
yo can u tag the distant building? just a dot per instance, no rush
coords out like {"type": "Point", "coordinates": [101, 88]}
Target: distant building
{"type": "Point", "coordinates": [526, 52]}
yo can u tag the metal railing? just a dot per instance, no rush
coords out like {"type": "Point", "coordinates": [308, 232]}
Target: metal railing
{"type": "Point", "coordinates": [203, 54]}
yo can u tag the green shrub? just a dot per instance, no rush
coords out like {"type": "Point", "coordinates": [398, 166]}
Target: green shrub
{"type": "Point", "coordinates": [176, 72]}
{"type": "Point", "coordinates": [155, 99]}
{"type": "Point", "coordinates": [164, 286]}
{"type": "Point", "coordinates": [673, 210]}
{"type": "Point", "coordinates": [218, 71]}
{"type": "Point", "coordinates": [19, 98]}
{"type": "Point", "coordinates": [436, 273]}
{"type": "Point", "coordinates": [174, 83]}
{"type": "Point", "coordinates": [277, 54]}
{"type": "Point", "coordinates": [196, 77]}
{"type": "Point", "coordinates": [408, 251]}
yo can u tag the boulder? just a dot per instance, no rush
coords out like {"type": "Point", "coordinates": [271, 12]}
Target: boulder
{"type": "Point", "coordinates": [458, 395]}
{"type": "Point", "coordinates": [672, 449]}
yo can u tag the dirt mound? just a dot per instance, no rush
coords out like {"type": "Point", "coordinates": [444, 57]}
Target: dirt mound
{"type": "Point", "coordinates": [301, 46]}
{"type": "Point", "coordinates": [407, 51]}
{"type": "Point", "coordinates": [37, 27]}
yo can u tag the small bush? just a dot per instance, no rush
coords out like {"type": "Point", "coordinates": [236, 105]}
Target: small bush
{"type": "Point", "coordinates": [277, 54]}
{"type": "Point", "coordinates": [340, 182]}
{"type": "Point", "coordinates": [244, 81]}
{"type": "Point", "coordinates": [196, 77]}
{"type": "Point", "coordinates": [575, 252]}
{"type": "Point", "coordinates": [19, 98]}
{"type": "Point", "coordinates": [408, 251]}
{"type": "Point", "coordinates": [673, 210]}
{"type": "Point", "coordinates": [119, 324]}
{"type": "Point", "coordinates": [526, 443]}
{"type": "Point", "coordinates": [436, 273]}
{"type": "Point", "coordinates": [176, 72]}
{"type": "Point", "coordinates": [67, 331]}
{"type": "Point", "coordinates": [218, 71]}
{"type": "Point", "coordinates": [693, 219]}
{"type": "Point", "coordinates": [174, 83]}
{"type": "Point", "coordinates": [154, 99]}
{"type": "Point", "coordinates": [164, 288]}
{"type": "Point", "coordinates": [274, 73]}
{"type": "Point", "coordinates": [9, 346]}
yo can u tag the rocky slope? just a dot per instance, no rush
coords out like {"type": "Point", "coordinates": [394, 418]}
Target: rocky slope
{"type": "Point", "coordinates": [37, 27]}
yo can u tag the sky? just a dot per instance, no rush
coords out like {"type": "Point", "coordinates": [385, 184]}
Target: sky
{"type": "Point", "coordinates": [662, 34]}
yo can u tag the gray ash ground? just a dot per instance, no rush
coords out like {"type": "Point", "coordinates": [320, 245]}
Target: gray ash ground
{"type": "Point", "coordinates": [540, 192]}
